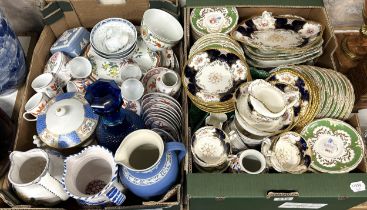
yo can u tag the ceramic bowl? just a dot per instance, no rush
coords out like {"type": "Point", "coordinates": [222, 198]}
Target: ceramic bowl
{"type": "Point", "coordinates": [79, 67]}
{"type": "Point", "coordinates": [113, 36]}
{"type": "Point", "coordinates": [160, 30]}
{"type": "Point", "coordinates": [131, 71]}
{"type": "Point", "coordinates": [132, 89]}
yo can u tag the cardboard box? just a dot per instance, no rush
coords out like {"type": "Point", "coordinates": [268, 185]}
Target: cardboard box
{"type": "Point", "coordinates": [84, 13]}
{"type": "Point", "coordinates": [272, 191]}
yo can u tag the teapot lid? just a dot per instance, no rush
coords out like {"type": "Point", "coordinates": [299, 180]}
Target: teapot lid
{"type": "Point", "coordinates": [66, 121]}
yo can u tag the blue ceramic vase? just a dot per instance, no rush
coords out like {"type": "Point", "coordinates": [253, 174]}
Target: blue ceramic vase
{"type": "Point", "coordinates": [150, 167]}
{"type": "Point", "coordinates": [12, 62]}
{"type": "Point", "coordinates": [104, 96]}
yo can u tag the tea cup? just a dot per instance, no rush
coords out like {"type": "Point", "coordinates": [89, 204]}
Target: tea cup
{"type": "Point", "coordinates": [248, 161]}
{"type": "Point", "coordinates": [216, 120]}
{"type": "Point", "coordinates": [132, 89]}
{"type": "Point", "coordinates": [288, 153]}
{"type": "Point", "coordinates": [169, 82]}
{"type": "Point", "coordinates": [35, 105]}
{"type": "Point", "coordinates": [79, 67]}
{"type": "Point", "coordinates": [56, 65]}
{"type": "Point", "coordinates": [78, 85]}
{"type": "Point", "coordinates": [46, 83]}
{"type": "Point", "coordinates": [210, 149]}
{"type": "Point", "coordinates": [131, 71]}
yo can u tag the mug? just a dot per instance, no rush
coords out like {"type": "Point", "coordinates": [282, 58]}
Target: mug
{"type": "Point", "coordinates": [78, 85]}
{"type": "Point", "coordinates": [248, 161]}
{"type": "Point", "coordinates": [169, 82]}
{"type": "Point", "coordinates": [35, 105]}
{"type": "Point", "coordinates": [79, 67]}
{"type": "Point", "coordinates": [46, 83]}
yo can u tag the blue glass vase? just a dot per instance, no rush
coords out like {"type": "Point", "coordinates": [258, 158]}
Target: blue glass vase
{"type": "Point", "coordinates": [13, 69]}
{"type": "Point", "coordinates": [104, 96]}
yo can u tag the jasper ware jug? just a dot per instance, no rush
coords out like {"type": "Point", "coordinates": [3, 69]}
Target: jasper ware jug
{"type": "Point", "coordinates": [149, 166]}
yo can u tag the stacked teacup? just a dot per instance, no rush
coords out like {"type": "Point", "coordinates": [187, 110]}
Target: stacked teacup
{"type": "Point", "coordinates": [113, 38]}
{"type": "Point", "coordinates": [262, 110]}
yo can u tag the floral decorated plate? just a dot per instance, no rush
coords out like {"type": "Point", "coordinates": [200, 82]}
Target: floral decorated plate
{"type": "Point", "coordinates": [162, 98]}
{"type": "Point", "coordinates": [336, 146]}
{"type": "Point", "coordinates": [213, 20]}
{"type": "Point", "coordinates": [213, 75]}
{"type": "Point", "coordinates": [283, 33]}
{"type": "Point", "coordinates": [150, 79]}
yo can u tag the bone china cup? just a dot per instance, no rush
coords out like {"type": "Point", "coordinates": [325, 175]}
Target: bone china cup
{"type": "Point", "coordinates": [80, 67]}
{"type": "Point", "coordinates": [160, 30]}
{"type": "Point", "coordinates": [35, 105]}
{"type": "Point", "coordinates": [46, 83]}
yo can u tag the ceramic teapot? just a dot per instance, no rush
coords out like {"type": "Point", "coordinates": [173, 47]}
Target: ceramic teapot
{"type": "Point", "coordinates": [36, 176]}
{"type": "Point", "coordinates": [149, 166]}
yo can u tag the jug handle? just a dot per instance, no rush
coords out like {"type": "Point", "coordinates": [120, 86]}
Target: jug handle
{"type": "Point", "coordinates": [116, 196]}
{"type": "Point", "coordinates": [176, 146]}
{"type": "Point", "coordinates": [56, 186]}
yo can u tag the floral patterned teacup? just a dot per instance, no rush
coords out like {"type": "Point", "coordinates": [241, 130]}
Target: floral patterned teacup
{"type": "Point", "coordinates": [78, 85]}
{"type": "Point", "coordinates": [35, 105]}
{"type": "Point", "coordinates": [46, 83]}
{"type": "Point", "coordinates": [57, 66]}
{"type": "Point", "coordinates": [248, 161]}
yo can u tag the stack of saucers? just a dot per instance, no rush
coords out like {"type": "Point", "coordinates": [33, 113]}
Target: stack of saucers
{"type": "Point", "coordinates": [162, 114]}
{"type": "Point", "coordinates": [215, 68]}
{"type": "Point", "coordinates": [113, 38]}
{"type": "Point", "coordinates": [270, 41]}
{"type": "Point", "coordinates": [213, 20]}
{"type": "Point", "coordinates": [336, 92]}
{"type": "Point", "coordinates": [263, 110]}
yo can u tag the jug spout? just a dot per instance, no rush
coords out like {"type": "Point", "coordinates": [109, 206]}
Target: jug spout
{"type": "Point", "coordinates": [27, 167]}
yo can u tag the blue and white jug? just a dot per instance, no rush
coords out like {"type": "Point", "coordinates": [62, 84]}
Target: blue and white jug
{"type": "Point", "coordinates": [150, 167]}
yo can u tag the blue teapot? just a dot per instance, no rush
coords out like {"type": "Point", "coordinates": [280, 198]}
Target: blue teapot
{"type": "Point", "coordinates": [149, 166]}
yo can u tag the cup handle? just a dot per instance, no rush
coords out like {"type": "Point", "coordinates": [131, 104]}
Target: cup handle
{"type": "Point", "coordinates": [29, 119]}
{"type": "Point", "coordinates": [116, 196]}
{"type": "Point", "coordinates": [176, 146]}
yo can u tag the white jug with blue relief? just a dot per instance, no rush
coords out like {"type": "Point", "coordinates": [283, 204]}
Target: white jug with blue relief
{"type": "Point", "coordinates": [150, 167]}
{"type": "Point", "coordinates": [36, 176]}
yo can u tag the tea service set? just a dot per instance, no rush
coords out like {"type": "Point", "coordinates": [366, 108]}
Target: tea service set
{"type": "Point", "coordinates": [289, 122]}
{"type": "Point", "coordinates": [101, 137]}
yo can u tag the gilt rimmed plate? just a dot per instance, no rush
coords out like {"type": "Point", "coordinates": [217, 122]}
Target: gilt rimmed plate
{"type": "Point", "coordinates": [213, 20]}
{"type": "Point", "coordinates": [267, 32]}
{"type": "Point", "coordinates": [213, 75]}
{"type": "Point", "coordinates": [336, 146]}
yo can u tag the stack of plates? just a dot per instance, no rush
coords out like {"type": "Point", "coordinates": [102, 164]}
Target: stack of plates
{"type": "Point", "coordinates": [325, 93]}
{"type": "Point", "coordinates": [215, 68]}
{"type": "Point", "coordinates": [288, 79]}
{"type": "Point", "coordinates": [162, 114]}
{"type": "Point", "coordinates": [113, 38]}
{"type": "Point", "coordinates": [213, 20]}
{"type": "Point", "coordinates": [272, 41]}
{"type": "Point", "coordinates": [336, 91]}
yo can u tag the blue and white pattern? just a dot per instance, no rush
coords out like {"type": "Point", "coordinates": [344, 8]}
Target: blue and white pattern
{"type": "Point", "coordinates": [74, 138]}
{"type": "Point", "coordinates": [159, 179]}
{"type": "Point", "coordinates": [12, 62]}
{"type": "Point", "coordinates": [72, 42]}
{"type": "Point", "coordinates": [109, 194]}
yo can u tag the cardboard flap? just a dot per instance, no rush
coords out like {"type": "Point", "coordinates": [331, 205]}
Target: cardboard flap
{"type": "Point", "coordinates": [91, 12]}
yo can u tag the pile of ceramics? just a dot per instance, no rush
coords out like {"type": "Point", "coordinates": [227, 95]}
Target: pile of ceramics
{"type": "Point", "coordinates": [288, 122]}
{"type": "Point", "coordinates": [270, 41]}
{"type": "Point", "coordinates": [215, 68]}
{"type": "Point", "coordinates": [107, 122]}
